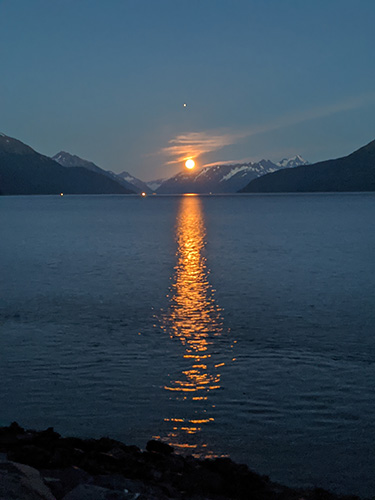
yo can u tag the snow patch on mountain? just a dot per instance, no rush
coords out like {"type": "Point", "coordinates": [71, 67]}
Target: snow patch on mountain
{"type": "Point", "coordinates": [134, 181]}
{"type": "Point", "coordinates": [233, 172]}
{"type": "Point", "coordinates": [295, 161]}
{"type": "Point", "coordinates": [203, 172]}
{"type": "Point", "coordinates": [223, 178]}
{"type": "Point", "coordinates": [154, 185]}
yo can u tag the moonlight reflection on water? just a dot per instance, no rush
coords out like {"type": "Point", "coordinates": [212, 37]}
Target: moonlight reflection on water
{"type": "Point", "coordinates": [83, 349]}
{"type": "Point", "coordinates": [195, 319]}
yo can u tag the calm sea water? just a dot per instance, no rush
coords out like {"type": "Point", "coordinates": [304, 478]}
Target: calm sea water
{"type": "Point", "coordinates": [239, 325]}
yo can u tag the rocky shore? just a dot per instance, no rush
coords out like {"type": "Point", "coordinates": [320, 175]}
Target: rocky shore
{"type": "Point", "coordinates": [37, 465]}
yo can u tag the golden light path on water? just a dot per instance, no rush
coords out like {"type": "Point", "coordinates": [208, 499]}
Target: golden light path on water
{"type": "Point", "coordinates": [195, 320]}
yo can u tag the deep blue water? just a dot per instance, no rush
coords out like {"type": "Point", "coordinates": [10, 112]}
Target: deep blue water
{"type": "Point", "coordinates": [239, 325]}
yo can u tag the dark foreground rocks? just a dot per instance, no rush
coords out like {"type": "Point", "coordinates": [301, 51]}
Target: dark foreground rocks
{"type": "Point", "coordinates": [43, 465]}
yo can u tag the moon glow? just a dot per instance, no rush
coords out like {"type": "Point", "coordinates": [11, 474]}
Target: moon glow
{"type": "Point", "coordinates": [190, 163]}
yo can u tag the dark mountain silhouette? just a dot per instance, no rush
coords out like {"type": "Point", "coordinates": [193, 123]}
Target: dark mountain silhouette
{"type": "Point", "coordinates": [137, 184]}
{"type": "Point", "coordinates": [24, 171]}
{"type": "Point", "coordinates": [355, 172]}
{"type": "Point", "coordinates": [68, 160]}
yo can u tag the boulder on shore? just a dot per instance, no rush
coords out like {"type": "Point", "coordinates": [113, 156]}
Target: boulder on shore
{"type": "Point", "coordinates": [43, 465]}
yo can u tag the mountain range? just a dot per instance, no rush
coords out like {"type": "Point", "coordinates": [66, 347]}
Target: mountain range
{"type": "Point", "coordinates": [355, 172]}
{"type": "Point", "coordinates": [227, 178]}
{"type": "Point", "coordinates": [24, 171]}
{"type": "Point", "coordinates": [124, 179]}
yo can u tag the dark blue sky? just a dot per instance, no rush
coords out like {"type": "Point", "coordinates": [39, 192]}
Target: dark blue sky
{"type": "Point", "coordinates": [107, 80]}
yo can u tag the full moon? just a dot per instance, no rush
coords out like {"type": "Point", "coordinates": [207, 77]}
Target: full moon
{"type": "Point", "coordinates": [189, 163]}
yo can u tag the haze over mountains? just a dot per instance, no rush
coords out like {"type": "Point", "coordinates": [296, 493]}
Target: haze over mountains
{"type": "Point", "coordinates": [355, 172]}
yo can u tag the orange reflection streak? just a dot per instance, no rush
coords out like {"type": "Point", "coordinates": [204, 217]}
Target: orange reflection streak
{"type": "Point", "coordinates": [194, 318]}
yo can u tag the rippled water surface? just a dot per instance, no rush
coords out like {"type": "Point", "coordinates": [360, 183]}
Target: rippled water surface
{"type": "Point", "coordinates": [239, 325]}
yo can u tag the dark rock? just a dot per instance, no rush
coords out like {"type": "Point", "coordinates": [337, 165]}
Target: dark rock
{"type": "Point", "coordinates": [26, 438]}
{"type": "Point", "coordinates": [159, 447]}
{"type": "Point", "coordinates": [238, 480]}
{"type": "Point", "coordinates": [72, 442]}
{"type": "Point", "coordinates": [14, 428]}
{"type": "Point", "coordinates": [156, 459]}
{"type": "Point", "coordinates": [106, 461]}
{"type": "Point", "coordinates": [92, 492]}
{"type": "Point", "coordinates": [19, 481]}
{"type": "Point", "coordinates": [46, 439]}
{"type": "Point", "coordinates": [9, 436]}
{"type": "Point", "coordinates": [168, 489]}
{"type": "Point", "coordinates": [61, 458]}
{"type": "Point", "coordinates": [115, 482]}
{"type": "Point", "coordinates": [119, 453]}
{"type": "Point", "coordinates": [106, 444]}
{"type": "Point", "coordinates": [176, 464]}
{"type": "Point", "coordinates": [201, 481]}
{"type": "Point", "coordinates": [61, 481]}
{"type": "Point", "coordinates": [8, 441]}
{"type": "Point", "coordinates": [133, 487]}
{"type": "Point", "coordinates": [49, 434]}
{"type": "Point", "coordinates": [31, 455]}
{"type": "Point", "coordinates": [106, 469]}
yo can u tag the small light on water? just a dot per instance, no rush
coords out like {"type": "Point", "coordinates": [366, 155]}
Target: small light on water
{"type": "Point", "coordinates": [61, 194]}
{"type": "Point", "coordinates": [143, 194]}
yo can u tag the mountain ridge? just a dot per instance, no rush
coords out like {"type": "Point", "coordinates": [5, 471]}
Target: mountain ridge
{"type": "Point", "coordinates": [24, 171]}
{"type": "Point", "coordinates": [134, 181]}
{"type": "Point", "coordinates": [221, 178]}
{"type": "Point", "coordinates": [354, 172]}
{"type": "Point", "coordinates": [68, 160]}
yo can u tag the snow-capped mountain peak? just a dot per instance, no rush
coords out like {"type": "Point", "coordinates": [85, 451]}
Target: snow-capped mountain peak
{"type": "Point", "coordinates": [126, 176]}
{"type": "Point", "coordinates": [224, 178]}
{"type": "Point", "coordinates": [294, 161]}
{"type": "Point", "coordinates": [220, 178]}
{"type": "Point", "coordinates": [68, 160]}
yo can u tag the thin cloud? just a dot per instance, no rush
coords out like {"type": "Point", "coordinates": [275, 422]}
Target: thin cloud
{"type": "Point", "coordinates": [230, 162]}
{"type": "Point", "coordinates": [311, 114]}
{"type": "Point", "coordinates": [195, 144]}
{"type": "Point", "coordinates": [315, 113]}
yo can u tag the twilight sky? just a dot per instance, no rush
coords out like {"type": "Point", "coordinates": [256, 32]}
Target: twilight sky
{"type": "Point", "coordinates": [107, 80]}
